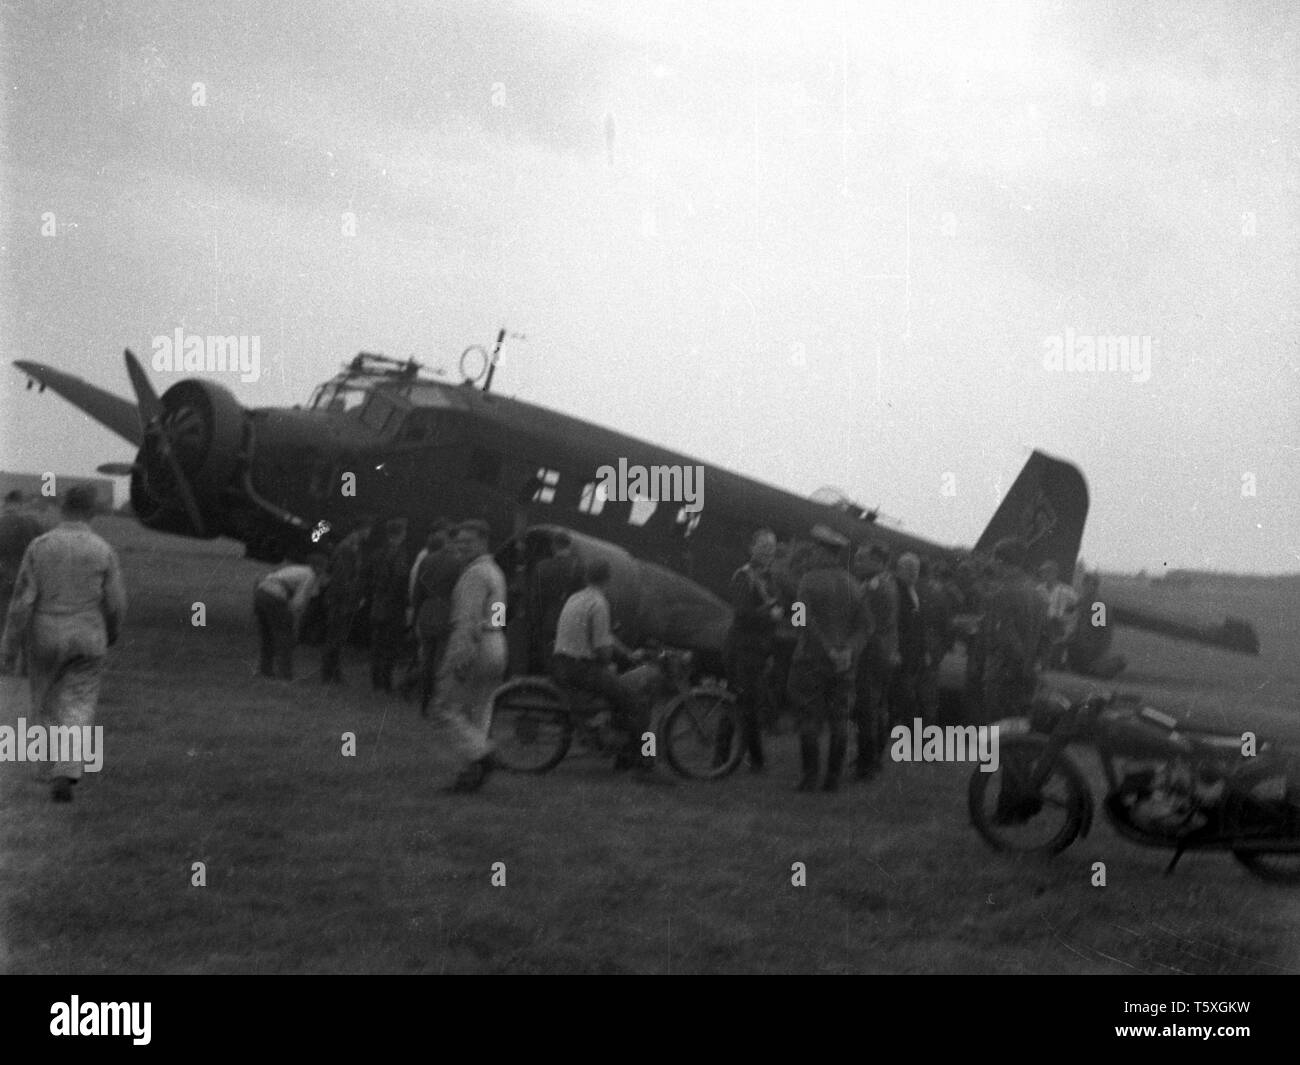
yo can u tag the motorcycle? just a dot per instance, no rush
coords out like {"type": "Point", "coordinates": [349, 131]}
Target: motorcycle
{"type": "Point", "coordinates": [534, 721]}
{"type": "Point", "coordinates": [1167, 785]}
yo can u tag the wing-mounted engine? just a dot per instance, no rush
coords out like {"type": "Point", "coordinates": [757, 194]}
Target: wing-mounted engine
{"type": "Point", "coordinates": [190, 454]}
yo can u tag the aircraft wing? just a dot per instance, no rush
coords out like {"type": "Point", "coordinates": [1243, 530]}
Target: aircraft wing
{"type": "Point", "coordinates": [119, 415]}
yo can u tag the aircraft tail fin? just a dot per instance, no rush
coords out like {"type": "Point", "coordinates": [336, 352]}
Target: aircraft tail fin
{"type": "Point", "coordinates": [1046, 508]}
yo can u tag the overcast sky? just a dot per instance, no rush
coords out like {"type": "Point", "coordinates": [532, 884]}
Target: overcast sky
{"type": "Point", "coordinates": [817, 244]}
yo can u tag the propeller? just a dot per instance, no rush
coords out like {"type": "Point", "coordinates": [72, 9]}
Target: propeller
{"type": "Point", "coordinates": [153, 423]}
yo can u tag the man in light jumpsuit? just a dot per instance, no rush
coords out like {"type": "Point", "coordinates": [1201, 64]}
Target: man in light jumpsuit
{"type": "Point", "coordinates": [475, 659]}
{"type": "Point", "coordinates": [68, 606]}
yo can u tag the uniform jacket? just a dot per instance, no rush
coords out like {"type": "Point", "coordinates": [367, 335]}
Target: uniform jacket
{"type": "Point", "coordinates": [835, 615]}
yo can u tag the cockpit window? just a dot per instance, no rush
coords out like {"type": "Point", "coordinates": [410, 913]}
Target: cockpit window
{"type": "Point", "coordinates": [379, 413]}
{"type": "Point", "coordinates": [338, 398]}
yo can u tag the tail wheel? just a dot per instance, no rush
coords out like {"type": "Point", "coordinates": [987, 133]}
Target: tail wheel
{"type": "Point", "coordinates": [1014, 816]}
{"type": "Point", "coordinates": [701, 734]}
{"type": "Point", "coordinates": [530, 727]}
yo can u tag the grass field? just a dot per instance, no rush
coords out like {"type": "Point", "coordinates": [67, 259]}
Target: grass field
{"type": "Point", "coordinates": [317, 862]}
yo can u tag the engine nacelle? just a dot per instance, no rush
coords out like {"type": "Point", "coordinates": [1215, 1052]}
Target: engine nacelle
{"type": "Point", "coordinates": [205, 425]}
{"type": "Point", "coordinates": [648, 600]}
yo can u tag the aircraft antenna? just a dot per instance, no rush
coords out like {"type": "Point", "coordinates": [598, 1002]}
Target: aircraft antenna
{"type": "Point", "coordinates": [496, 351]}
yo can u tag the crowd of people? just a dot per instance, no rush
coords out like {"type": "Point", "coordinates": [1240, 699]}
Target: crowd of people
{"type": "Point", "coordinates": [859, 641]}
{"type": "Point", "coordinates": [837, 640]}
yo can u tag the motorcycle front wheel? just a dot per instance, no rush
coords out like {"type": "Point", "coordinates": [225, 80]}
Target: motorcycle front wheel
{"type": "Point", "coordinates": [1014, 816]}
{"type": "Point", "coordinates": [701, 734]}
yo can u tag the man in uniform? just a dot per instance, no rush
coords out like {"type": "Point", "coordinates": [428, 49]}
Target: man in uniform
{"type": "Point", "coordinates": [1014, 615]}
{"type": "Point", "coordinates": [390, 572]}
{"type": "Point", "coordinates": [475, 660]}
{"type": "Point", "coordinates": [343, 592]}
{"type": "Point", "coordinates": [755, 616]}
{"type": "Point", "coordinates": [279, 602]}
{"type": "Point", "coordinates": [875, 669]}
{"type": "Point", "coordinates": [435, 581]}
{"type": "Point", "coordinates": [67, 607]}
{"type": "Point", "coordinates": [823, 667]}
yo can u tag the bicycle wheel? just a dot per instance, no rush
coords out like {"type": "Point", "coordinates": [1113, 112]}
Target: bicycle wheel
{"type": "Point", "coordinates": [530, 727]}
{"type": "Point", "coordinates": [1014, 816]}
{"type": "Point", "coordinates": [701, 734]}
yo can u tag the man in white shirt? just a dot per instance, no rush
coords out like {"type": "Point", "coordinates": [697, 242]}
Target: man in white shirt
{"type": "Point", "coordinates": [475, 659]}
{"type": "Point", "coordinates": [279, 601]}
{"type": "Point", "coordinates": [585, 647]}
{"type": "Point", "coordinates": [1062, 603]}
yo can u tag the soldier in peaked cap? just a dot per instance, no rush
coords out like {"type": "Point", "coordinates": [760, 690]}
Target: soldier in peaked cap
{"type": "Point", "coordinates": [822, 669]}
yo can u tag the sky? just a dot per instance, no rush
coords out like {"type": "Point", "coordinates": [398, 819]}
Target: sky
{"type": "Point", "coordinates": [818, 244]}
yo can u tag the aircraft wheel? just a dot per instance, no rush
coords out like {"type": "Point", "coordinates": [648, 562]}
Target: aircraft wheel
{"type": "Point", "coordinates": [530, 726]}
{"type": "Point", "coordinates": [701, 734]}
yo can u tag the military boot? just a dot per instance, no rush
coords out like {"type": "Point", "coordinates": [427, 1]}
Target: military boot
{"type": "Point", "coordinates": [810, 756]}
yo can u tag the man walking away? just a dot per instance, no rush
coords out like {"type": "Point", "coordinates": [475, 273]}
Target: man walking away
{"type": "Point", "coordinates": [279, 602]}
{"type": "Point", "coordinates": [68, 606]}
{"type": "Point", "coordinates": [343, 593]}
{"type": "Point", "coordinates": [475, 659]}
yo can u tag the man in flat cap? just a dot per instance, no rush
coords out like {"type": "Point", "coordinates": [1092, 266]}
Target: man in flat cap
{"type": "Point", "coordinates": [1014, 616]}
{"type": "Point", "coordinates": [68, 605]}
{"type": "Point", "coordinates": [822, 671]}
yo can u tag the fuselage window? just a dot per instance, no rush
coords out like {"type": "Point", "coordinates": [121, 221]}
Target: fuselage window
{"type": "Point", "coordinates": [642, 510]}
{"type": "Point", "coordinates": [688, 522]}
{"type": "Point", "coordinates": [547, 480]}
{"type": "Point", "coordinates": [592, 500]}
